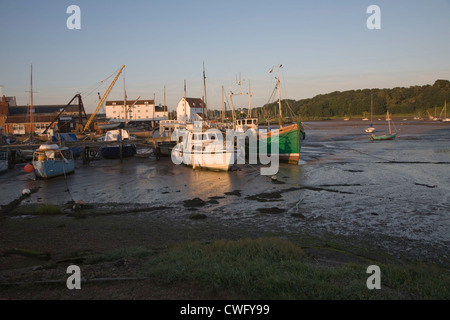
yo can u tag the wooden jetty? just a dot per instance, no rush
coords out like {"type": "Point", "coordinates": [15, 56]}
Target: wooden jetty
{"type": "Point", "coordinates": [87, 146]}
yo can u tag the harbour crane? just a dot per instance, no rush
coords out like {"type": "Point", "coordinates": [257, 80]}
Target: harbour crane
{"type": "Point", "coordinates": [105, 95]}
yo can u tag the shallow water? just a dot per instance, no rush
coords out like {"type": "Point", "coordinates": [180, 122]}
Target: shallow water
{"type": "Point", "coordinates": [392, 193]}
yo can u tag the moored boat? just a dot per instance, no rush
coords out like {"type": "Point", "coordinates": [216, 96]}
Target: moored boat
{"type": "Point", "coordinates": [50, 161]}
{"type": "Point", "coordinates": [390, 136]}
{"type": "Point", "coordinates": [113, 151]}
{"type": "Point", "coordinates": [290, 137]}
{"type": "Point", "coordinates": [204, 150]}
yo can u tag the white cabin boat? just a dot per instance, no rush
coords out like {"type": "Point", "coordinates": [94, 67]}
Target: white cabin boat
{"type": "Point", "coordinates": [207, 150]}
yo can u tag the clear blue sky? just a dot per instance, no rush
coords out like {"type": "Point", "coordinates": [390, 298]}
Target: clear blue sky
{"type": "Point", "coordinates": [324, 46]}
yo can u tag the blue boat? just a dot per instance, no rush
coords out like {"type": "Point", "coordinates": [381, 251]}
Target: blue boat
{"type": "Point", "coordinates": [112, 151]}
{"type": "Point", "coordinates": [70, 137]}
{"type": "Point", "coordinates": [51, 161]}
{"type": "Point", "coordinates": [3, 161]}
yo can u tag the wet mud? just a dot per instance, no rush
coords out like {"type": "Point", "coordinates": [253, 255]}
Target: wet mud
{"type": "Point", "coordinates": [392, 194]}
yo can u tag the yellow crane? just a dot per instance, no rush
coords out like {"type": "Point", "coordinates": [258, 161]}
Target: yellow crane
{"type": "Point", "coordinates": [105, 95]}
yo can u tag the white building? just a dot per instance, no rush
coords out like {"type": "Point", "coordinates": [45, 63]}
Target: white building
{"type": "Point", "coordinates": [143, 110]}
{"type": "Point", "coordinates": [194, 110]}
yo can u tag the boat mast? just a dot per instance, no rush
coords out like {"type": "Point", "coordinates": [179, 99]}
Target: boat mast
{"type": "Point", "coordinates": [185, 120]}
{"type": "Point", "coordinates": [223, 118]}
{"type": "Point", "coordinates": [31, 104]}
{"type": "Point", "coordinates": [165, 108]}
{"type": "Point", "coordinates": [280, 120]}
{"type": "Point", "coordinates": [371, 109]}
{"type": "Point", "coordinates": [205, 104]}
{"type": "Point", "coordinates": [232, 109]}
{"type": "Point", "coordinates": [250, 100]}
{"type": "Point", "coordinates": [389, 121]}
{"type": "Point", "coordinates": [125, 101]}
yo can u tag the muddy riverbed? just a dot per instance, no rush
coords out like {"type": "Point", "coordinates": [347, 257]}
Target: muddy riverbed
{"type": "Point", "coordinates": [393, 195]}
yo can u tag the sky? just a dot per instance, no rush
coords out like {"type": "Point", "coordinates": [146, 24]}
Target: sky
{"type": "Point", "coordinates": [323, 46]}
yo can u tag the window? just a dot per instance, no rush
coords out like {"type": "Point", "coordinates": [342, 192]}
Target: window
{"type": "Point", "coordinates": [18, 129]}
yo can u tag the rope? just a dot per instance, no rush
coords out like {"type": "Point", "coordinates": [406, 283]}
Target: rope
{"type": "Point", "coordinates": [65, 177]}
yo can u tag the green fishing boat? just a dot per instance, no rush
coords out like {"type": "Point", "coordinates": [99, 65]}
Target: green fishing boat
{"type": "Point", "coordinates": [290, 138]}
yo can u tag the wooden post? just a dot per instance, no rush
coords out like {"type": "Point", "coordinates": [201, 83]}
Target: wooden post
{"type": "Point", "coordinates": [120, 146]}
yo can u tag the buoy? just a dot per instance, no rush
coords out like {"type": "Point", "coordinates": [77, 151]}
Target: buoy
{"type": "Point", "coordinates": [29, 168]}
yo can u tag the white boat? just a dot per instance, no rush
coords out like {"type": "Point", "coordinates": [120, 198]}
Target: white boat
{"type": "Point", "coordinates": [445, 119]}
{"type": "Point", "coordinates": [245, 124]}
{"type": "Point", "coordinates": [207, 150]}
{"type": "Point", "coordinates": [50, 160]}
{"type": "Point", "coordinates": [112, 151]}
{"type": "Point", "coordinates": [108, 125]}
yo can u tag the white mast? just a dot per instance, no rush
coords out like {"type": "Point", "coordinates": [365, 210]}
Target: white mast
{"type": "Point", "coordinates": [185, 120]}
{"type": "Point", "coordinates": [250, 100]}
{"type": "Point", "coordinates": [165, 107]}
{"type": "Point", "coordinates": [223, 116]}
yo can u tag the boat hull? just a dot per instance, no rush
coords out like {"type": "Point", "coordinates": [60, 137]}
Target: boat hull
{"type": "Point", "coordinates": [113, 152]}
{"type": "Point", "coordinates": [384, 137]}
{"type": "Point", "coordinates": [222, 161]}
{"type": "Point", "coordinates": [53, 168]}
{"type": "Point", "coordinates": [290, 140]}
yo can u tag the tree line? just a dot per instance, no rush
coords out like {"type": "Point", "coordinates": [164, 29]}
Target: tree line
{"type": "Point", "coordinates": [415, 100]}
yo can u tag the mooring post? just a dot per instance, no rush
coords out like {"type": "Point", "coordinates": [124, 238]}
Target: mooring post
{"type": "Point", "coordinates": [85, 155]}
{"type": "Point", "coordinates": [120, 146]}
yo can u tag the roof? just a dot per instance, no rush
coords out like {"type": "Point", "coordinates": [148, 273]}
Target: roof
{"type": "Point", "coordinates": [43, 109]}
{"type": "Point", "coordinates": [26, 119]}
{"type": "Point", "coordinates": [129, 102]}
{"type": "Point", "coordinates": [160, 108]}
{"type": "Point", "coordinates": [195, 102]}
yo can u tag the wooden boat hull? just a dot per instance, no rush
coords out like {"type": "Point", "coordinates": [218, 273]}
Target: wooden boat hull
{"type": "Point", "coordinates": [290, 140]}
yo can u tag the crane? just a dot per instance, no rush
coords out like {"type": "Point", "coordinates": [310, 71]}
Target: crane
{"type": "Point", "coordinates": [105, 95]}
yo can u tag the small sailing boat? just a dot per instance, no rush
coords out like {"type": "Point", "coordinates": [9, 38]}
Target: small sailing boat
{"type": "Point", "coordinates": [445, 119]}
{"type": "Point", "coordinates": [371, 128]}
{"type": "Point", "coordinates": [390, 136]}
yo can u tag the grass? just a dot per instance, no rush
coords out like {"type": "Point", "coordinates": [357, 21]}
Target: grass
{"type": "Point", "coordinates": [273, 269]}
{"type": "Point", "coordinates": [40, 209]}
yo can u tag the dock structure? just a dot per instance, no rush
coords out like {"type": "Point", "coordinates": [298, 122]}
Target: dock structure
{"type": "Point", "coordinates": [87, 146]}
